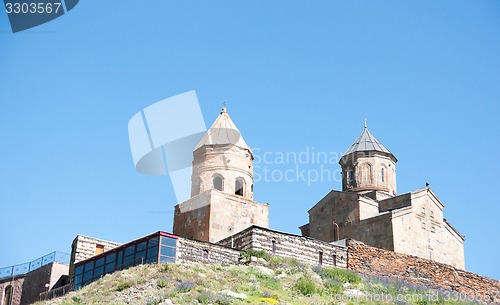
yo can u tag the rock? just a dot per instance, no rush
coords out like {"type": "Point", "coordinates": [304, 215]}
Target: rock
{"type": "Point", "coordinates": [264, 270]}
{"type": "Point", "coordinates": [354, 292]}
{"type": "Point", "coordinates": [235, 295]}
{"type": "Point", "coordinates": [316, 277]}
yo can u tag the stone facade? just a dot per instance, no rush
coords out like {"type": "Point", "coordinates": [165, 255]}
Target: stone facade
{"type": "Point", "coordinates": [54, 274]}
{"type": "Point", "coordinates": [411, 223]}
{"type": "Point", "coordinates": [84, 247]}
{"type": "Point", "coordinates": [27, 288]}
{"type": "Point", "coordinates": [229, 162]}
{"type": "Point", "coordinates": [419, 228]}
{"type": "Point", "coordinates": [214, 215]}
{"type": "Point", "coordinates": [222, 187]}
{"type": "Point", "coordinates": [367, 172]}
{"type": "Point", "coordinates": [191, 251]}
{"type": "Point", "coordinates": [14, 287]}
{"type": "Point", "coordinates": [368, 209]}
{"type": "Point", "coordinates": [305, 250]}
{"type": "Point", "coordinates": [373, 261]}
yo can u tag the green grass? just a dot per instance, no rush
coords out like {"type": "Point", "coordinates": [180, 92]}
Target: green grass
{"type": "Point", "coordinates": [305, 286]}
{"type": "Point", "coordinates": [286, 281]}
{"type": "Point", "coordinates": [340, 275]}
{"type": "Point", "coordinates": [257, 253]}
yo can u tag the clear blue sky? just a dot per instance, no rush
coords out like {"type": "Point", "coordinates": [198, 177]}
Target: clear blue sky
{"type": "Point", "coordinates": [294, 74]}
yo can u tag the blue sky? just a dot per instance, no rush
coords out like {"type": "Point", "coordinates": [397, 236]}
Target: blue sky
{"type": "Point", "coordinates": [295, 75]}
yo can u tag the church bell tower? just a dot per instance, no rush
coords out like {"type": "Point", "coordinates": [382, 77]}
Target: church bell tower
{"type": "Point", "coordinates": [221, 202]}
{"type": "Point", "coordinates": [223, 161]}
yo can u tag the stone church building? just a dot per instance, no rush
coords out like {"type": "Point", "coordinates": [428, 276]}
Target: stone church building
{"type": "Point", "coordinates": [368, 209]}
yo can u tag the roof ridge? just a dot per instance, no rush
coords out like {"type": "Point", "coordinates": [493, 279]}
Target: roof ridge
{"type": "Point", "coordinates": [367, 142]}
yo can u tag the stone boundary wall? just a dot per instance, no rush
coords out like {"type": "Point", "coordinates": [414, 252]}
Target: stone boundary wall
{"type": "Point", "coordinates": [304, 249]}
{"type": "Point", "coordinates": [191, 251]}
{"type": "Point", "coordinates": [420, 271]}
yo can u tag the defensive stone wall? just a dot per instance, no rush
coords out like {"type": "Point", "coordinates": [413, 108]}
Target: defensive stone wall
{"type": "Point", "coordinates": [373, 261]}
{"type": "Point", "coordinates": [190, 251]}
{"type": "Point", "coordinates": [304, 249]}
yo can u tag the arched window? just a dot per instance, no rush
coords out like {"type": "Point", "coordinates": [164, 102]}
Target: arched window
{"type": "Point", "coordinates": [350, 176]}
{"type": "Point", "coordinates": [239, 186]}
{"type": "Point", "coordinates": [218, 183]}
{"type": "Point", "coordinates": [383, 174]}
{"type": "Point", "coordinates": [366, 173]}
{"type": "Point", "coordinates": [7, 295]}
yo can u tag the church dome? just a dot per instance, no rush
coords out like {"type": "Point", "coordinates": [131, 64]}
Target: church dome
{"type": "Point", "coordinates": [367, 142]}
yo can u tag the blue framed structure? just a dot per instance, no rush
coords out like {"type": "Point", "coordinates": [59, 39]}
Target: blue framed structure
{"type": "Point", "coordinates": [159, 247]}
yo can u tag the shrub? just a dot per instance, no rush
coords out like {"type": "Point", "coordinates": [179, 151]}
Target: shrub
{"type": "Point", "coordinates": [257, 253]}
{"type": "Point", "coordinates": [223, 299]}
{"type": "Point", "coordinates": [76, 299]}
{"type": "Point", "coordinates": [266, 280]}
{"type": "Point", "coordinates": [162, 283]}
{"type": "Point", "coordinates": [206, 297]}
{"type": "Point", "coordinates": [184, 286]}
{"type": "Point", "coordinates": [165, 268]}
{"type": "Point", "coordinates": [334, 287]}
{"type": "Point", "coordinates": [305, 286]}
{"type": "Point", "coordinates": [153, 301]}
{"type": "Point", "coordinates": [343, 276]}
{"type": "Point", "coordinates": [291, 265]}
{"type": "Point", "coordinates": [123, 285]}
{"type": "Point", "coordinates": [268, 300]}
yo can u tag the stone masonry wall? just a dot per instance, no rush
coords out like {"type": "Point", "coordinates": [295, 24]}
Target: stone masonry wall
{"type": "Point", "coordinates": [189, 251]}
{"type": "Point", "coordinates": [35, 281]}
{"type": "Point", "coordinates": [304, 249]}
{"type": "Point", "coordinates": [420, 271]}
{"type": "Point", "coordinates": [17, 285]}
{"type": "Point", "coordinates": [84, 247]}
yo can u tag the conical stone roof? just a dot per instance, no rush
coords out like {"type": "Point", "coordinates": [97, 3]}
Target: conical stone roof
{"type": "Point", "coordinates": [223, 132]}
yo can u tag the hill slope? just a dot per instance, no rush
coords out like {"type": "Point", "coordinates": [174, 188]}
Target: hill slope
{"type": "Point", "coordinates": [272, 281]}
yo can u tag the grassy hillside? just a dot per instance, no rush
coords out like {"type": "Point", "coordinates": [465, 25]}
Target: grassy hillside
{"type": "Point", "coordinates": [272, 280]}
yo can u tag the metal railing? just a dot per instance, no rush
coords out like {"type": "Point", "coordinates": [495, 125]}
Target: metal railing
{"type": "Point", "coordinates": [21, 269]}
{"type": "Point", "coordinates": [54, 293]}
